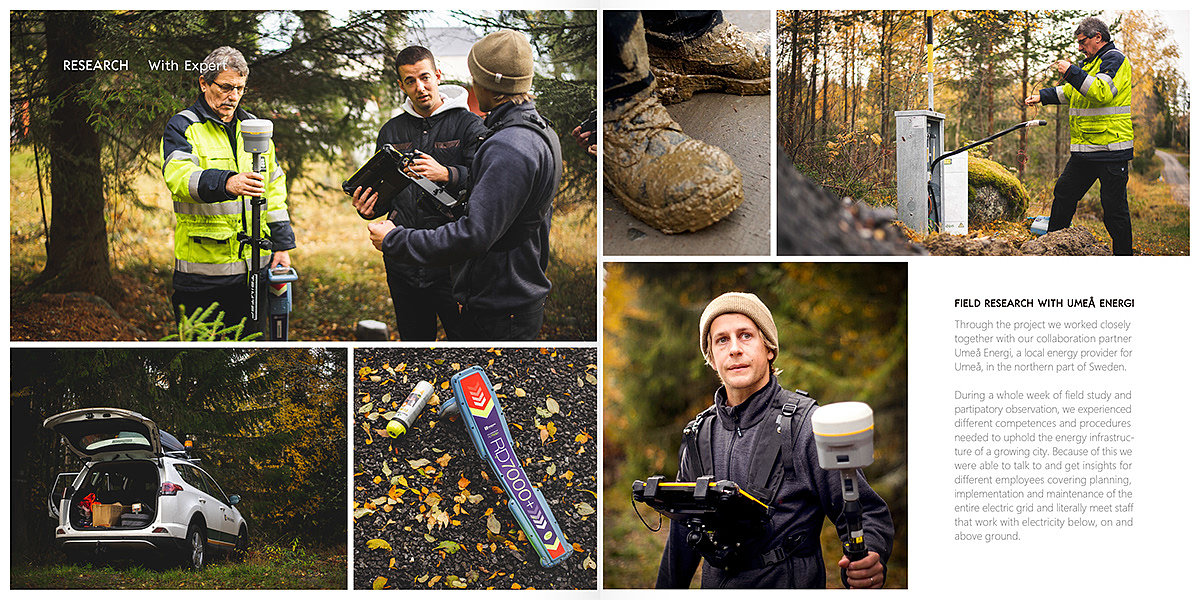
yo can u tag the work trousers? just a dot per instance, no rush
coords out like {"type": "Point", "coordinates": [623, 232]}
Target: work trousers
{"type": "Point", "coordinates": [626, 33]}
{"type": "Point", "coordinates": [418, 309]}
{"type": "Point", "coordinates": [1076, 179]}
{"type": "Point", "coordinates": [502, 325]}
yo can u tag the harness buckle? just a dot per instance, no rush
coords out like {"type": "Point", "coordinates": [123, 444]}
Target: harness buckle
{"type": "Point", "coordinates": [774, 555]}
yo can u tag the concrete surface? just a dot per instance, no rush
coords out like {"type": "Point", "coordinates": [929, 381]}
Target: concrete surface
{"type": "Point", "coordinates": [741, 126]}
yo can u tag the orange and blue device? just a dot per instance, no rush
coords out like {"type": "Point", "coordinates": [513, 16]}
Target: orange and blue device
{"type": "Point", "coordinates": [488, 430]}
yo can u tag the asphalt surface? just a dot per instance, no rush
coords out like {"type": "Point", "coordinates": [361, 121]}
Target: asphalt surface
{"type": "Point", "coordinates": [739, 125]}
{"type": "Point", "coordinates": [444, 502]}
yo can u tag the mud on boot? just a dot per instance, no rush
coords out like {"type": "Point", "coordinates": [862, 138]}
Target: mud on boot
{"type": "Point", "coordinates": [725, 59]}
{"type": "Point", "coordinates": [660, 174]}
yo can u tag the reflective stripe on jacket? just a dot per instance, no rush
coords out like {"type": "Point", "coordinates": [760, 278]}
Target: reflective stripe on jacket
{"type": "Point", "coordinates": [198, 158]}
{"type": "Point", "coordinates": [1100, 96]}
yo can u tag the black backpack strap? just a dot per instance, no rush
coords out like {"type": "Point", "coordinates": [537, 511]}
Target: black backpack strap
{"type": "Point", "coordinates": [799, 403]}
{"type": "Point", "coordinates": [797, 545]}
{"type": "Point", "coordinates": [531, 217]}
{"type": "Point", "coordinates": [697, 440]}
{"type": "Point", "coordinates": [770, 444]}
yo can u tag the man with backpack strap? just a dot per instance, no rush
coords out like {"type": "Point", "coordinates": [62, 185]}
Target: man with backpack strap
{"type": "Point", "coordinates": [501, 246]}
{"type": "Point", "coordinates": [760, 436]}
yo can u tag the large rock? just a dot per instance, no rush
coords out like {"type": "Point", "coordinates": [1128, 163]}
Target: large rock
{"type": "Point", "coordinates": [993, 193]}
{"type": "Point", "coordinates": [814, 222]}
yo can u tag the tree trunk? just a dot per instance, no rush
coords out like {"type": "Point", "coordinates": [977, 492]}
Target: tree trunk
{"type": "Point", "coordinates": [884, 77]}
{"type": "Point", "coordinates": [825, 90]}
{"type": "Point", "coordinates": [791, 106]}
{"type": "Point", "coordinates": [854, 75]}
{"type": "Point", "coordinates": [1022, 150]}
{"type": "Point", "coordinates": [77, 249]}
{"type": "Point", "coordinates": [845, 72]}
{"type": "Point", "coordinates": [989, 102]}
{"type": "Point", "coordinates": [812, 76]}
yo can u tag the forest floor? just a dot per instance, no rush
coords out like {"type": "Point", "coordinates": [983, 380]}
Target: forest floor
{"type": "Point", "coordinates": [428, 512]}
{"type": "Point", "coordinates": [342, 278]}
{"type": "Point", "coordinates": [264, 567]}
{"type": "Point", "coordinates": [1160, 216]}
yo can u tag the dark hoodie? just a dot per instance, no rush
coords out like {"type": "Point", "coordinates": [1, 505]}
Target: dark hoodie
{"type": "Point", "coordinates": [801, 505]}
{"type": "Point", "coordinates": [501, 246]}
{"type": "Point", "coordinates": [450, 135]}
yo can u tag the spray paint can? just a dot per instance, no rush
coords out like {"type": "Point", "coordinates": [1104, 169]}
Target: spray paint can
{"type": "Point", "coordinates": [410, 408]}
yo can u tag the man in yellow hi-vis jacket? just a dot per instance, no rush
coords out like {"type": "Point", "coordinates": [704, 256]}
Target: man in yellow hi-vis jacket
{"type": "Point", "coordinates": [211, 180]}
{"type": "Point", "coordinates": [1099, 94]}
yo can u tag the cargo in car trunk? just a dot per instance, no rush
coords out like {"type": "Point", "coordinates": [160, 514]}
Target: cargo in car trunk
{"type": "Point", "coordinates": [116, 495]}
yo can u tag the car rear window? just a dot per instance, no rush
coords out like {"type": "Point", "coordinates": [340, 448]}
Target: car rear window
{"type": "Point", "coordinates": [99, 441]}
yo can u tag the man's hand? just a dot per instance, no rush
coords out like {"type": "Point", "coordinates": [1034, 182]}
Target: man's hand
{"type": "Point", "coordinates": [584, 140]}
{"type": "Point", "coordinates": [430, 169]}
{"type": "Point", "coordinates": [364, 202]}
{"type": "Point", "coordinates": [863, 574]}
{"type": "Point", "coordinates": [281, 259]}
{"type": "Point", "coordinates": [1034, 99]}
{"type": "Point", "coordinates": [378, 231]}
{"type": "Point", "coordinates": [245, 184]}
{"type": "Point", "coordinates": [1062, 65]}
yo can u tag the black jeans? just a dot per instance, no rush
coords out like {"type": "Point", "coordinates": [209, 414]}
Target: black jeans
{"type": "Point", "coordinates": [626, 33]}
{"type": "Point", "coordinates": [490, 326]}
{"type": "Point", "coordinates": [1076, 179]}
{"type": "Point", "coordinates": [418, 309]}
{"type": "Point", "coordinates": [233, 300]}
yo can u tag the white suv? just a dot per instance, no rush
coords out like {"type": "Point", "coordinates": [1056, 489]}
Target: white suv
{"type": "Point", "coordinates": [139, 490]}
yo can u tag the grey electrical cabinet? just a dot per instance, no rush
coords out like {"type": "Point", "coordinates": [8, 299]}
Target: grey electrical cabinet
{"type": "Point", "coordinates": [919, 138]}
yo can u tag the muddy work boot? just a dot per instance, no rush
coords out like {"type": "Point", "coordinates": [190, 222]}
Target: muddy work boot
{"type": "Point", "coordinates": [725, 59]}
{"type": "Point", "coordinates": [665, 178]}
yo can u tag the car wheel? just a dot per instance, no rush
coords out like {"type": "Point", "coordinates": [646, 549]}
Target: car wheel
{"type": "Point", "coordinates": [196, 546]}
{"type": "Point", "coordinates": [243, 545]}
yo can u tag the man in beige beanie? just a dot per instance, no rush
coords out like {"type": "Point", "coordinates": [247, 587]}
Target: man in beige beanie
{"type": "Point", "coordinates": [501, 247]}
{"type": "Point", "coordinates": [759, 435]}
{"type": "Point", "coordinates": [739, 341]}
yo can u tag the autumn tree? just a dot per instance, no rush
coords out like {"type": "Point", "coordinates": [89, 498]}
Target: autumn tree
{"type": "Point", "coordinates": [315, 75]}
{"type": "Point", "coordinates": [269, 424]}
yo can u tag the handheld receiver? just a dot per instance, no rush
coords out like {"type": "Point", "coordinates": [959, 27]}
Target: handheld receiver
{"type": "Point", "coordinates": [279, 282]}
{"type": "Point", "coordinates": [845, 436]}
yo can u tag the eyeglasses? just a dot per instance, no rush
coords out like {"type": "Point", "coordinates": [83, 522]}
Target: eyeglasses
{"type": "Point", "coordinates": [226, 88]}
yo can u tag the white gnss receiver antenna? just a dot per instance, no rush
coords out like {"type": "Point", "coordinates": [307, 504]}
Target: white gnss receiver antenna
{"type": "Point", "coordinates": [845, 436]}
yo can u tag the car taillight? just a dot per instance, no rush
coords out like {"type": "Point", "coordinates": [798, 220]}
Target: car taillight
{"type": "Point", "coordinates": [169, 489]}
{"type": "Point", "coordinates": [160, 530]}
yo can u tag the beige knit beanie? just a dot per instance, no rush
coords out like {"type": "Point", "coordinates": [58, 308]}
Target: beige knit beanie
{"type": "Point", "coordinates": [502, 62]}
{"type": "Point", "coordinates": [742, 303]}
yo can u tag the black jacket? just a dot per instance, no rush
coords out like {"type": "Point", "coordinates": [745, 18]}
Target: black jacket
{"type": "Point", "coordinates": [450, 135]}
{"type": "Point", "coordinates": [502, 244]}
{"type": "Point", "coordinates": [801, 505]}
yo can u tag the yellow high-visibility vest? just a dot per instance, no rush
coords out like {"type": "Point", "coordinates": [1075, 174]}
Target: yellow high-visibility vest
{"type": "Point", "coordinates": [206, 232]}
